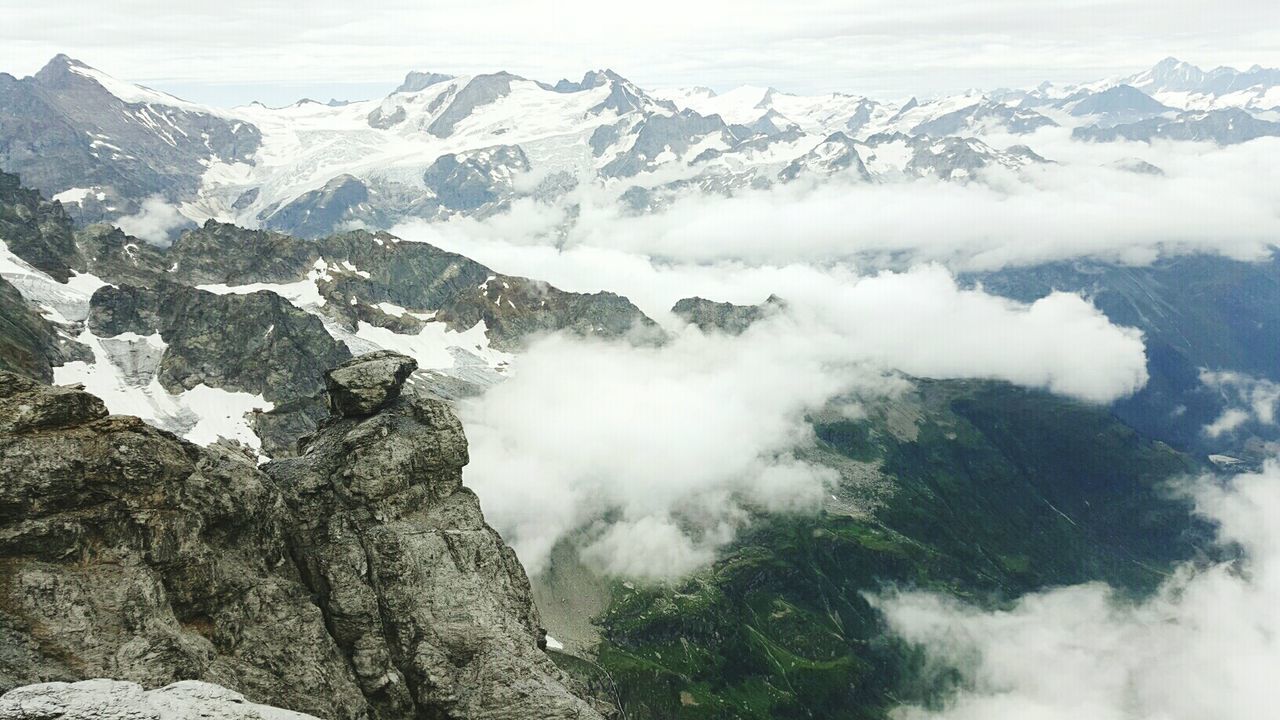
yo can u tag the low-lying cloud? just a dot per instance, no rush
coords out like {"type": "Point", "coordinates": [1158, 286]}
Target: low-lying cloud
{"type": "Point", "coordinates": [1210, 199]}
{"type": "Point", "coordinates": [1205, 646]}
{"type": "Point", "coordinates": [155, 222]}
{"type": "Point", "coordinates": [1248, 400]}
{"type": "Point", "coordinates": [652, 457]}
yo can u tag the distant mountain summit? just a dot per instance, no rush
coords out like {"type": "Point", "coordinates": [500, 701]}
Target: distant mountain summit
{"type": "Point", "coordinates": [441, 146]}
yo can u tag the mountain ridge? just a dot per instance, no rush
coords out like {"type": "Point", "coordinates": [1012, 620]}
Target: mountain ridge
{"type": "Point", "coordinates": [107, 146]}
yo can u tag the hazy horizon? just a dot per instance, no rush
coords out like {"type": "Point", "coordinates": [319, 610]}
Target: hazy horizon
{"type": "Point", "coordinates": [240, 52]}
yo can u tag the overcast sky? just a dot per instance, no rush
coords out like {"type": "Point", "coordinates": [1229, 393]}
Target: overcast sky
{"type": "Point", "coordinates": [233, 51]}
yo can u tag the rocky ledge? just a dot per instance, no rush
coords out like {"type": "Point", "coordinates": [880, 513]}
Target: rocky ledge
{"type": "Point", "coordinates": [118, 700]}
{"type": "Point", "coordinates": [357, 580]}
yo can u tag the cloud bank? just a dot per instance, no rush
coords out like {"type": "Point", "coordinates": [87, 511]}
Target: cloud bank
{"type": "Point", "coordinates": [653, 457]}
{"type": "Point", "coordinates": [1210, 199]}
{"type": "Point", "coordinates": [1204, 647]}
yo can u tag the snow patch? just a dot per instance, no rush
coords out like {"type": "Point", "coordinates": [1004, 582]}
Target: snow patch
{"type": "Point", "coordinates": [73, 195]}
{"type": "Point", "coordinates": [124, 374]}
{"type": "Point", "coordinates": [433, 347]}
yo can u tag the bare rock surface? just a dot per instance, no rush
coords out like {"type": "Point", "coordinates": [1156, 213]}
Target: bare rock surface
{"type": "Point", "coordinates": [358, 580]}
{"type": "Point", "coordinates": [364, 385]}
{"type": "Point", "coordinates": [103, 699]}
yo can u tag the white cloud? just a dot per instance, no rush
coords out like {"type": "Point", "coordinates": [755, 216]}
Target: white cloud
{"type": "Point", "coordinates": [1205, 646]}
{"type": "Point", "coordinates": [1248, 399]}
{"type": "Point", "coordinates": [1210, 199]}
{"type": "Point", "coordinates": [660, 452]}
{"type": "Point", "coordinates": [154, 222]}
{"type": "Point", "coordinates": [868, 46]}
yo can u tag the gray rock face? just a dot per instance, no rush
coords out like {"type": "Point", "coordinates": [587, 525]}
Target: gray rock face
{"type": "Point", "coordinates": [29, 344]}
{"type": "Point", "coordinates": [955, 158]}
{"type": "Point", "coordinates": [838, 153]}
{"type": "Point", "coordinates": [316, 213]}
{"type": "Point", "coordinates": [480, 90]}
{"type": "Point", "coordinates": [256, 342]}
{"type": "Point", "coordinates": [657, 134]}
{"type": "Point", "coordinates": [1018, 121]}
{"type": "Point", "coordinates": [412, 275]}
{"type": "Point", "coordinates": [710, 315]}
{"type": "Point", "coordinates": [1120, 104]}
{"type": "Point", "coordinates": [1136, 165]}
{"type": "Point", "coordinates": [220, 253]}
{"type": "Point", "coordinates": [119, 258]}
{"type": "Point", "coordinates": [35, 230]}
{"type": "Point", "coordinates": [861, 116]}
{"type": "Point", "coordinates": [356, 581]}
{"type": "Point", "coordinates": [63, 129]}
{"type": "Point", "coordinates": [34, 406]}
{"type": "Point", "coordinates": [134, 555]}
{"type": "Point", "coordinates": [415, 81]}
{"type": "Point", "coordinates": [471, 180]}
{"type": "Point", "coordinates": [475, 182]}
{"type": "Point", "coordinates": [1228, 126]}
{"type": "Point", "coordinates": [103, 699]}
{"type": "Point", "coordinates": [624, 96]}
{"type": "Point", "coordinates": [382, 121]}
{"type": "Point", "coordinates": [431, 607]}
{"type": "Point", "coordinates": [365, 384]}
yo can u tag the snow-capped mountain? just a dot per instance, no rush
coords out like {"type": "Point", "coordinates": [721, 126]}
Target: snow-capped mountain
{"type": "Point", "coordinates": [1185, 86]}
{"type": "Point", "coordinates": [440, 146]}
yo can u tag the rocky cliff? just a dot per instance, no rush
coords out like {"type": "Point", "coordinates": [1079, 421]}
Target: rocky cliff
{"type": "Point", "coordinates": [358, 580]}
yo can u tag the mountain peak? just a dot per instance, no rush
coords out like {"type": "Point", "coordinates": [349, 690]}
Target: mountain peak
{"type": "Point", "coordinates": [417, 80]}
{"type": "Point", "coordinates": [58, 67]}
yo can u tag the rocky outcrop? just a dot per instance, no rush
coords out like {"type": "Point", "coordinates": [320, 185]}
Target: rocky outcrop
{"type": "Point", "coordinates": [356, 581]}
{"type": "Point", "coordinates": [37, 231]}
{"type": "Point", "coordinates": [356, 271]}
{"type": "Point", "coordinates": [364, 385]}
{"type": "Point", "coordinates": [117, 700]}
{"type": "Point", "coordinates": [255, 342]}
{"type": "Point", "coordinates": [710, 315]}
{"type": "Point", "coordinates": [119, 258]}
{"type": "Point", "coordinates": [431, 606]}
{"type": "Point", "coordinates": [29, 344]}
{"type": "Point", "coordinates": [128, 553]}
{"type": "Point", "coordinates": [315, 213]}
{"type": "Point", "coordinates": [1224, 126]}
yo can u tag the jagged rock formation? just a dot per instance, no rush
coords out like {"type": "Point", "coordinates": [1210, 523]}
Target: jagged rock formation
{"type": "Point", "coordinates": [66, 127]}
{"type": "Point", "coordinates": [725, 317]}
{"type": "Point", "coordinates": [1226, 126]}
{"type": "Point", "coordinates": [113, 699]}
{"type": "Point", "coordinates": [256, 342]}
{"type": "Point", "coordinates": [360, 269]}
{"type": "Point", "coordinates": [36, 231]}
{"type": "Point", "coordinates": [29, 344]}
{"type": "Point", "coordinates": [133, 555]}
{"type": "Point", "coordinates": [430, 605]}
{"type": "Point", "coordinates": [356, 581]}
{"type": "Point", "coordinates": [362, 386]}
{"type": "Point", "coordinates": [257, 312]}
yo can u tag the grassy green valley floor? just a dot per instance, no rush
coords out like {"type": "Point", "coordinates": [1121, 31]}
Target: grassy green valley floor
{"type": "Point", "coordinates": [995, 492]}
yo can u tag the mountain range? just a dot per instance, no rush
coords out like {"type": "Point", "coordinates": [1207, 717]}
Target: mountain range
{"type": "Point", "coordinates": [234, 472]}
{"type": "Point", "coordinates": [441, 146]}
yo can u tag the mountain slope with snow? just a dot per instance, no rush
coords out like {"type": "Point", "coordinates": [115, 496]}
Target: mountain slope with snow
{"type": "Point", "coordinates": [441, 147]}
